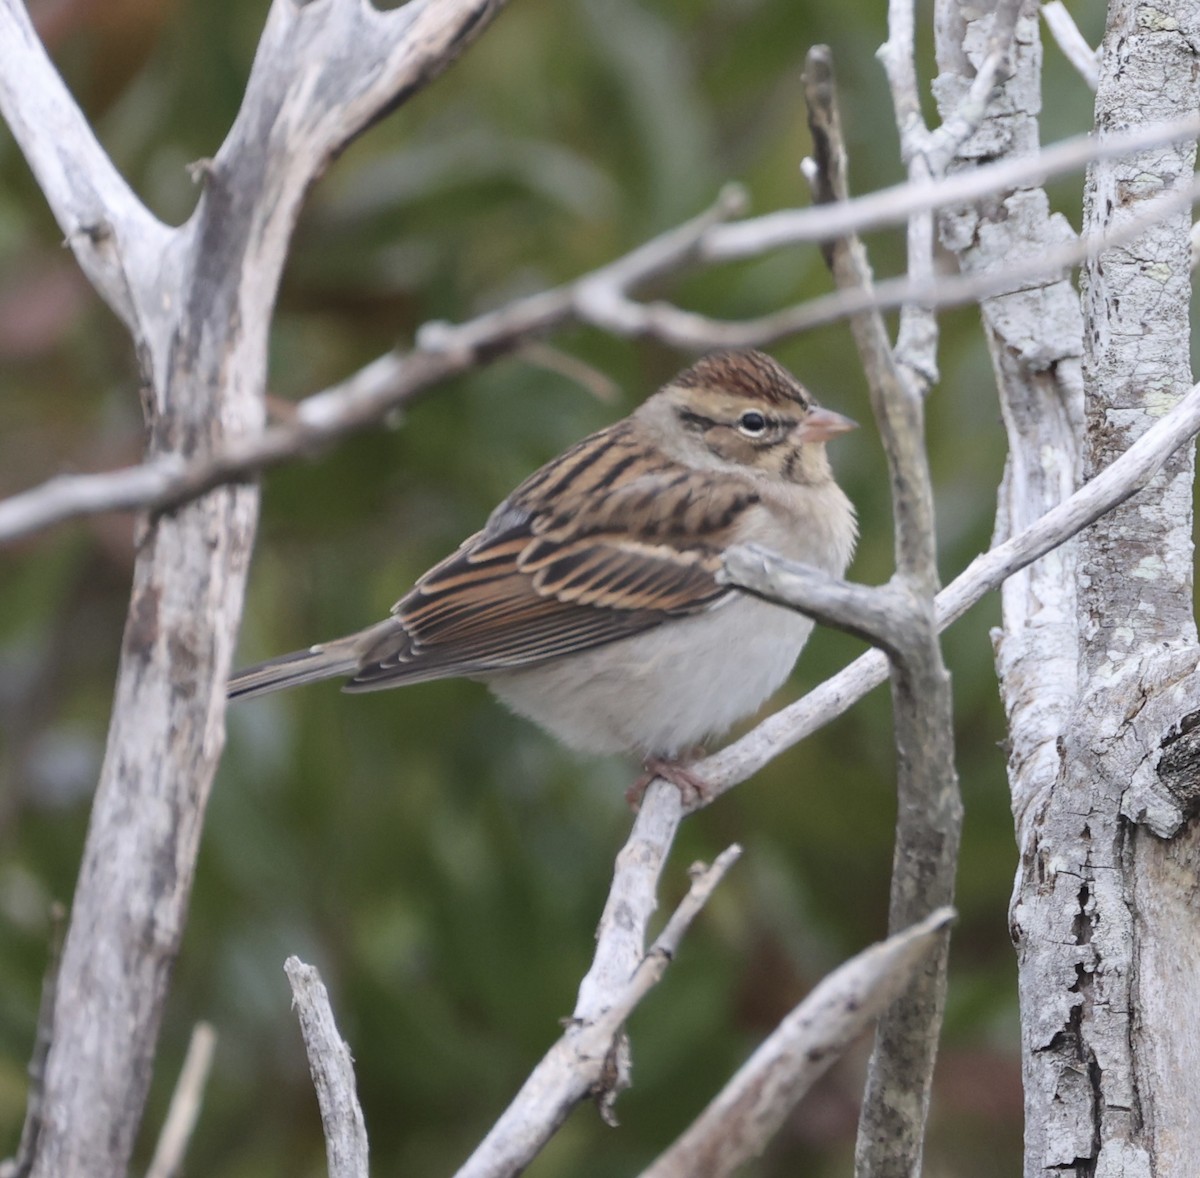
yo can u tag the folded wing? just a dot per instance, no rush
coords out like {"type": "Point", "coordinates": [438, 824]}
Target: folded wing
{"type": "Point", "coordinates": [536, 585]}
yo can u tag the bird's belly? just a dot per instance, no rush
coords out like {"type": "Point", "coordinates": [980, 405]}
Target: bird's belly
{"type": "Point", "coordinates": [661, 692]}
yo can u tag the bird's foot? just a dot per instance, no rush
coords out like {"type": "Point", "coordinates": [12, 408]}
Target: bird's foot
{"type": "Point", "coordinates": [693, 789]}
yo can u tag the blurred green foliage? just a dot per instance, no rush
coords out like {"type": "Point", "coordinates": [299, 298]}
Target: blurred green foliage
{"type": "Point", "coordinates": [443, 863]}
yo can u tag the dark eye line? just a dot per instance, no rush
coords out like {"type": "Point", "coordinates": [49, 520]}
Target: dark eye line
{"type": "Point", "coordinates": [696, 421]}
{"type": "Point", "coordinates": [773, 430]}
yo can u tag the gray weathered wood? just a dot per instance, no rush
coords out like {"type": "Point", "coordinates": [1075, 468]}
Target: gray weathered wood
{"type": "Point", "coordinates": [1096, 657]}
{"type": "Point", "coordinates": [332, 1069]}
{"type": "Point", "coordinates": [198, 302]}
{"type": "Point", "coordinates": [744, 1116]}
{"type": "Point", "coordinates": [1133, 939]}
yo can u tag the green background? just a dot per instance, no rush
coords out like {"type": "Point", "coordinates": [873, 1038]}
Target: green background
{"type": "Point", "coordinates": [443, 863]}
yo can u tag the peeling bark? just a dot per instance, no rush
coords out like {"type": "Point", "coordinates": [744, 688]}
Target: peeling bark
{"type": "Point", "coordinates": [1137, 627]}
{"type": "Point", "coordinates": [1097, 654]}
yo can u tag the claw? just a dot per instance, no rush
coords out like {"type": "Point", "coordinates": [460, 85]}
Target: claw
{"type": "Point", "coordinates": [693, 790]}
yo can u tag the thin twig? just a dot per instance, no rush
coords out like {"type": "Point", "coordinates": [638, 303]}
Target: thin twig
{"type": "Point", "coordinates": [893, 206]}
{"type": "Point", "coordinates": [916, 344]}
{"type": "Point", "coordinates": [600, 385]}
{"type": "Point", "coordinates": [1125, 477]}
{"type": "Point", "coordinates": [332, 1069]}
{"type": "Point", "coordinates": [114, 236]}
{"type": "Point", "coordinates": [444, 350]}
{"type": "Point", "coordinates": [1072, 42]}
{"type": "Point", "coordinates": [582, 1061]}
{"type": "Point", "coordinates": [185, 1104]}
{"type": "Point", "coordinates": [691, 331]}
{"type": "Point", "coordinates": [662, 952]}
{"type": "Point", "coordinates": [929, 808]}
{"type": "Point", "coordinates": [896, 413]}
{"type": "Point", "coordinates": [22, 1162]}
{"type": "Point", "coordinates": [737, 1125]}
{"type": "Point", "coordinates": [896, 56]}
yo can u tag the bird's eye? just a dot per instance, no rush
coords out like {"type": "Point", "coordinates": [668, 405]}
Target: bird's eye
{"type": "Point", "coordinates": [752, 424]}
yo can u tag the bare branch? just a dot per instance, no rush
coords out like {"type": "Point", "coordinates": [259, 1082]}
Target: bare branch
{"type": "Point", "coordinates": [185, 1104]}
{"type": "Point", "coordinates": [20, 1165]}
{"type": "Point", "coordinates": [689, 330]}
{"type": "Point", "coordinates": [367, 395]}
{"type": "Point", "coordinates": [444, 350]}
{"type": "Point", "coordinates": [631, 903]}
{"type": "Point", "coordinates": [892, 405]}
{"type": "Point", "coordinates": [1127, 475]}
{"type": "Point", "coordinates": [322, 72]}
{"type": "Point", "coordinates": [748, 1112]}
{"type": "Point", "coordinates": [394, 54]}
{"type": "Point", "coordinates": [1122, 479]}
{"type": "Point", "coordinates": [332, 1069]}
{"type": "Point", "coordinates": [929, 156]}
{"type": "Point", "coordinates": [1072, 42]}
{"type": "Point", "coordinates": [916, 344]}
{"type": "Point", "coordinates": [113, 235]}
{"type": "Point", "coordinates": [899, 64]}
{"type": "Point", "coordinates": [929, 809]}
{"type": "Point", "coordinates": [893, 206]}
{"type": "Point", "coordinates": [878, 614]}
{"type": "Point", "coordinates": [653, 966]}
{"type": "Point", "coordinates": [591, 1057]}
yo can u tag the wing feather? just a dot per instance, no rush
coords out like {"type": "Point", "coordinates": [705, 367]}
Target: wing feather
{"type": "Point", "coordinates": [538, 583]}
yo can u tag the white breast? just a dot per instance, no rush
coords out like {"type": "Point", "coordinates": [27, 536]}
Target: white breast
{"type": "Point", "coordinates": [662, 692]}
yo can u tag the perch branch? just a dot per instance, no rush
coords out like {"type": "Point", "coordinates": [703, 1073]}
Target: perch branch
{"type": "Point", "coordinates": [1127, 475]}
{"type": "Point", "coordinates": [589, 1058]}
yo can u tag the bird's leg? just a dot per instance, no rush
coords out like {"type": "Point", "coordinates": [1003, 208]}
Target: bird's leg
{"type": "Point", "coordinates": [693, 789]}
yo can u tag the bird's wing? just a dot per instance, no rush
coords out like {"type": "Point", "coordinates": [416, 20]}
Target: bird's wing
{"type": "Point", "coordinates": [537, 583]}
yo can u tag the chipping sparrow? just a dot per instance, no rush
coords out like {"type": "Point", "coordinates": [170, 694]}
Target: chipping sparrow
{"type": "Point", "coordinates": [589, 604]}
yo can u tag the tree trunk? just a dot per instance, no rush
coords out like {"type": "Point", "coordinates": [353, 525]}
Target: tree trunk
{"type": "Point", "coordinates": [1104, 918]}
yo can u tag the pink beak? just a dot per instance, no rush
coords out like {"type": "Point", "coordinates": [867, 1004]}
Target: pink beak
{"type": "Point", "coordinates": [822, 424]}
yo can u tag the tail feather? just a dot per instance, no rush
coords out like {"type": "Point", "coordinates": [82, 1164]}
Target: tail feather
{"type": "Point", "coordinates": [291, 670]}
